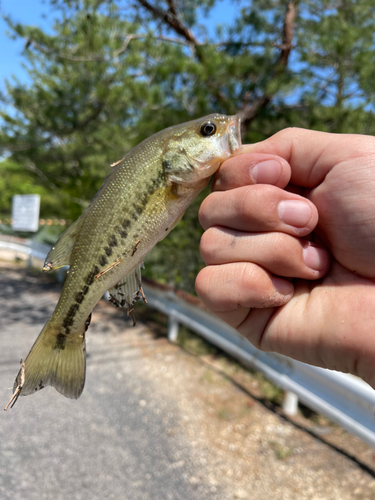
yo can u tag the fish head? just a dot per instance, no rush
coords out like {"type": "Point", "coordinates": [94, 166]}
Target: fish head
{"type": "Point", "coordinates": [196, 149]}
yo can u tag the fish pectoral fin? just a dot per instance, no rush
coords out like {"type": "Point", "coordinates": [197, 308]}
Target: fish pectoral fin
{"type": "Point", "coordinates": [179, 166]}
{"type": "Point", "coordinates": [128, 291]}
{"type": "Point", "coordinates": [59, 255]}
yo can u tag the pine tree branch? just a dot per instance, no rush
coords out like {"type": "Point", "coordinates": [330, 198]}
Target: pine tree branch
{"type": "Point", "coordinates": [287, 41]}
{"type": "Point", "coordinates": [171, 19]}
{"type": "Point", "coordinates": [249, 112]}
{"type": "Point", "coordinates": [46, 50]}
{"type": "Point", "coordinates": [92, 116]}
{"type": "Point", "coordinates": [100, 58]}
{"type": "Point", "coordinates": [172, 7]}
{"type": "Point", "coordinates": [33, 168]}
{"type": "Point", "coordinates": [14, 148]}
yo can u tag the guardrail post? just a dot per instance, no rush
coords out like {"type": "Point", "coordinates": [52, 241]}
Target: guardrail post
{"type": "Point", "coordinates": [173, 326]}
{"type": "Point", "coordinates": [290, 403]}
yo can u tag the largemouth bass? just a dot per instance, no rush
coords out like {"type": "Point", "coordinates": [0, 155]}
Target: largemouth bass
{"type": "Point", "coordinates": [139, 203]}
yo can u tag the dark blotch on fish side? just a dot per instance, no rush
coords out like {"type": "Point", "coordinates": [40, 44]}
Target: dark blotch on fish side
{"type": "Point", "coordinates": [121, 232]}
{"type": "Point", "coordinates": [103, 260]}
{"type": "Point", "coordinates": [108, 251]}
{"type": "Point", "coordinates": [159, 180]}
{"type": "Point", "coordinates": [91, 276]}
{"type": "Point", "coordinates": [112, 241]}
{"type": "Point", "coordinates": [60, 341]}
{"type": "Point", "coordinates": [68, 321]}
{"type": "Point", "coordinates": [126, 223]}
{"type": "Point", "coordinates": [79, 297]}
{"type": "Point", "coordinates": [138, 208]}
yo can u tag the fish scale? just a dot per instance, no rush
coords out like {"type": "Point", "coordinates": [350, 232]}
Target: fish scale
{"type": "Point", "coordinates": [139, 203]}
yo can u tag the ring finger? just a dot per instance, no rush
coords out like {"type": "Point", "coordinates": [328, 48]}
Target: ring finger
{"type": "Point", "coordinates": [279, 253]}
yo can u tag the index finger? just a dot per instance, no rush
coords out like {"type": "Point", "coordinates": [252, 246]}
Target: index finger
{"type": "Point", "coordinates": [305, 157]}
{"type": "Point", "coordinates": [311, 154]}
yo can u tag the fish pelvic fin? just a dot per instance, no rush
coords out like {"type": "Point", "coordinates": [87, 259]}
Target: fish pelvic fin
{"type": "Point", "coordinates": [55, 359]}
{"type": "Point", "coordinates": [60, 253]}
{"type": "Point", "coordinates": [128, 291]}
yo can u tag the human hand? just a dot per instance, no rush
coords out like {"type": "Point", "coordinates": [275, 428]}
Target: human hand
{"type": "Point", "coordinates": [299, 205]}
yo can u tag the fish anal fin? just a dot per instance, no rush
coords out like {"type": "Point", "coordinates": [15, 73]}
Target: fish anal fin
{"type": "Point", "coordinates": [59, 255]}
{"type": "Point", "coordinates": [128, 291]}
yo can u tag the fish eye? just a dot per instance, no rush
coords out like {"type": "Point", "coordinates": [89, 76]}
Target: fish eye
{"type": "Point", "coordinates": [207, 129]}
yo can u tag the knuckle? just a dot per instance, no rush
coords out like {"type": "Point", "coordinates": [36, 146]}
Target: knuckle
{"type": "Point", "coordinates": [203, 212]}
{"type": "Point", "coordinates": [202, 283]}
{"type": "Point", "coordinates": [208, 210]}
{"type": "Point", "coordinates": [208, 244]}
{"type": "Point", "coordinates": [288, 132]}
{"type": "Point", "coordinates": [279, 242]}
{"type": "Point", "coordinates": [252, 200]}
{"type": "Point", "coordinates": [247, 276]}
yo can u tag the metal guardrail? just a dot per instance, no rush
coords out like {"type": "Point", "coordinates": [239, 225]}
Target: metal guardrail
{"type": "Point", "coordinates": [30, 250]}
{"type": "Point", "coordinates": [346, 400]}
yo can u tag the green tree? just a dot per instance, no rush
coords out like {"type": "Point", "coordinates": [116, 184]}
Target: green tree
{"type": "Point", "coordinates": [110, 73]}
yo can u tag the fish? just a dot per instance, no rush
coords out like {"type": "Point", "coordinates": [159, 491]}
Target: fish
{"type": "Point", "coordinates": [142, 199]}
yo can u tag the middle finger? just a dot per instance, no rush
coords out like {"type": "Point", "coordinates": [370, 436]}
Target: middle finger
{"type": "Point", "coordinates": [259, 208]}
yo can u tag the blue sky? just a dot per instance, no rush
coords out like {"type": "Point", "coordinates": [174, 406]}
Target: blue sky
{"type": "Point", "coordinates": [31, 11]}
{"type": "Point", "coordinates": [26, 11]}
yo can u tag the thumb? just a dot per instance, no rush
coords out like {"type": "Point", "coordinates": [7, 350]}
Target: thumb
{"type": "Point", "coordinates": [312, 154]}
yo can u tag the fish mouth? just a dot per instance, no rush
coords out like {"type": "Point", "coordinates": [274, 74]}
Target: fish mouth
{"type": "Point", "coordinates": [234, 134]}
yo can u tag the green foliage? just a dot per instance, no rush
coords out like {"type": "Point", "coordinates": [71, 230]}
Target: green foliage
{"type": "Point", "coordinates": [108, 74]}
{"type": "Point", "coordinates": [15, 180]}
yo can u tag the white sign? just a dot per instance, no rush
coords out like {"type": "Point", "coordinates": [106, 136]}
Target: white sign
{"type": "Point", "coordinates": [25, 212]}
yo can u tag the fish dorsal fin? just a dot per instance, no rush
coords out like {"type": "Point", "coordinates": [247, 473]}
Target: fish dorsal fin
{"type": "Point", "coordinates": [128, 291]}
{"type": "Point", "coordinates": [59, 255]}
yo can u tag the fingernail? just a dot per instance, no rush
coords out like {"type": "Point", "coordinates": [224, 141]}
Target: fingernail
{"type": "Point", "coordinates": [315, 258]}
{"type": "Point", "coordinates": [294, 212]}
{"type": "Point", "coordinates": [266, 172]}
{"type": "Point", "coordinates": [284, 287]}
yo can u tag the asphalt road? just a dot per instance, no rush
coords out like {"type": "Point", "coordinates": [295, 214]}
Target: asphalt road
{"type": "Point", "coordinates": [115, 442]}
{"type": "Point", "coordinates": [155, 423]}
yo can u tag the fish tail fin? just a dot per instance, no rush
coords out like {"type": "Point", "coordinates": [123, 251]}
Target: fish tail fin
{"type": "Point", "coordinates": [55, 359]}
